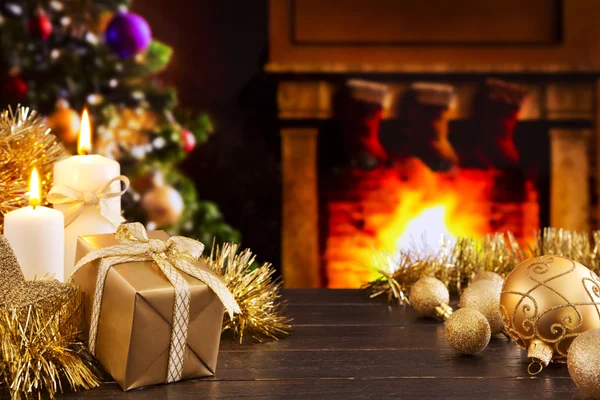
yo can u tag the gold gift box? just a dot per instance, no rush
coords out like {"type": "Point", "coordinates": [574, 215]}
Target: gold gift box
{"type": "Point", "coordinates": [134, 331]}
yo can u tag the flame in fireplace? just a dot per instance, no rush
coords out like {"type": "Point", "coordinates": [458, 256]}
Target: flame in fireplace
{"type": "Point", "coordinates": [385, 210]}
{"type": "Point", "coordinates": [427, 229]}
{"type": "Point", "coordinates": [434, 207]}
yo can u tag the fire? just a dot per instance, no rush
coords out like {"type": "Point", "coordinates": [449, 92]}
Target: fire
{"type": "Point", "coordinates": [387, 209]}
{"type": "Point", "coordinates": [435, 207]}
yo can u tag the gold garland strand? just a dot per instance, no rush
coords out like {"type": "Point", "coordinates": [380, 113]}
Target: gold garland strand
{"type": "Point", "coordinates": [457, 263]}
{"type": "Point", "coordinates": [25, 142]}
{"type": "Point", "coordinates": [257, 293]}
{"type": "Point", "coordinates": [40, 354]}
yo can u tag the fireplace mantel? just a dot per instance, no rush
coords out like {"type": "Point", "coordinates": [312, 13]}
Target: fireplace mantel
{"type": "Point", "coordinates": [558, 60]}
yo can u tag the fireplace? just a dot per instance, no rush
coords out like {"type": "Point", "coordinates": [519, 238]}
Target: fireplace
{"type": "Point", "coordinates": [450, 162]}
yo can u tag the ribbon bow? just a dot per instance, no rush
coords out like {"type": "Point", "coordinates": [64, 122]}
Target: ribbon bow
{"type": "Point", "coordinates": [175, 255]}
{"type": "Point", "coordinates": [61, 194]}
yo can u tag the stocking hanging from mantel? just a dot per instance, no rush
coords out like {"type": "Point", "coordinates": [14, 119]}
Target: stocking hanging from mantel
{"type": "Point", "coordinates": [361, 110]}
{"type": "Point", "coordinates": [495, 112]}
{"type": "Point", "coordinates": [424, 109]}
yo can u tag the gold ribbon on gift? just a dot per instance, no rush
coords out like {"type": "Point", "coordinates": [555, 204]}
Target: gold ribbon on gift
{"type": "Point", "coordinates": [61, 194]}
{"type": "Point", "coordinates": [176, 255]}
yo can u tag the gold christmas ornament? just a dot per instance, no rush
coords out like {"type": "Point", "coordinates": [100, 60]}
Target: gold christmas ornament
{"type": "Point", "coordinates": [583, 361]}
{"type": "Point", "coordinates": [484, 296]}
{"type": "Point", "coordinates": [545, 303]}
{"type": "Point", "coordinates": [467, 331]}
{"type": "Point", "coordinates": [25, 142]}
{"type": "Point", "coordinates": [163, 204]}
{"type": "Point", "coordinates": [65, 122]}
{"type": "Point", "coordinates": [488, 276]}
{"type": "Point", "coordinates": [430, 297]}
{"type": "Point", "coordinates": [256, 292]}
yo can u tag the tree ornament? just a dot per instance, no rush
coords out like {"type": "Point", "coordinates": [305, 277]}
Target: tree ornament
{"type": "Point", "coordinates": [429, 297]}
{"type": "Point", "coordinates": [484, 296]}
{"type": "Point", "coordinates": [65, 122]}
{"type": "Point", "coordinates": [128, 34]}
{"type": "Point", "coordinates": [163, 203]}
{"type": "Point", "coordinates": [40, 26]}
{"type": "Point", "coordinates": [467, 331]}
{"type": "Point", "coordinates": [584, 362]}
{"type": "Point", "coordinates": [14, 88]}
{"type": "Point", "coordinates": [545, 303]}
{"type": "Point", "coordinates": [188, 140]}
{"type": "Point", "coordinates": [488, 276]}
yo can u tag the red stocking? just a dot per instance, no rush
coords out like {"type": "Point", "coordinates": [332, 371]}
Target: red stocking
{"type": "Point", "coordinates": [425, 110]}
{"type": "Point", "coordinates": [496, 113]}
{"type": "Point", "coordinates": [361, 118]}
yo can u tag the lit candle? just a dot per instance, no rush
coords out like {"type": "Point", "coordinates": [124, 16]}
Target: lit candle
{"type": "Point", "coordinates": [86, 173]}
{"type": "Point", "coordinates": [36, 236]}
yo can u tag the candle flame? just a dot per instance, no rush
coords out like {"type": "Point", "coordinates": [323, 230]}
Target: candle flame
{"type": "Point", "coordinates": [34, 189]}
{"type": "Point", "coordinates": [84, 144]}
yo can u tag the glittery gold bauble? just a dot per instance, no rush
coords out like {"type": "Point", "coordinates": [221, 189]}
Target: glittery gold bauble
{"type": "Point", "coordinates": [65, 123]}
{"type": "Point", "coordinates": [163, 204]}
{"type": "Point", "coordinates": [545, 303]}
{"type": "Point", "coordinates": [488, 276]}
{"type": "Point", "coordinates": [484, 296]}
{"type": "Point", "coordinates": [584, 362]}
{"type": "Point", "coordinates": [427, 294]}
{"type": "Point", "coordinates": [467, 331]}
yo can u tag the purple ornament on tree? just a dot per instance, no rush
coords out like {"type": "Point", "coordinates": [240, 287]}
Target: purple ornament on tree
{"type": "Point", "coordinates": [128, 34]}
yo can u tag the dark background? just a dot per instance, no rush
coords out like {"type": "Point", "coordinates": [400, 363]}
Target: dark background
{"type": "Point", "coordinates": [219, 50]}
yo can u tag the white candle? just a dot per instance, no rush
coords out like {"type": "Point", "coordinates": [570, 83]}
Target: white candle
{"type": "Point", "coordinates": [36, 235]}
{"type": "Point", "coordinates": [86, 173]}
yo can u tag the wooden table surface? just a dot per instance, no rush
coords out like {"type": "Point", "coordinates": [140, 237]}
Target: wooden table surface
{"type": "Point", "coordinates": [345, 346]}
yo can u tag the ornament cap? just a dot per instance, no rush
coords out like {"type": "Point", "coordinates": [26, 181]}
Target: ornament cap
{"type": "Point", "coordinates": [443, 311]}
{"type": "Point", "coordinates": [540, 354]}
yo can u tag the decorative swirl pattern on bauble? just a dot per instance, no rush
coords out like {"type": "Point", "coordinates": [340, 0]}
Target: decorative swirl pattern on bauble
{"type": "Point", "coordinates": [551, 299]}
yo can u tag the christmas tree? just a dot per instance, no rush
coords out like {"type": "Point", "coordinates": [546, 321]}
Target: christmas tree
{"type": "Point", "coordinates": [59, 56]}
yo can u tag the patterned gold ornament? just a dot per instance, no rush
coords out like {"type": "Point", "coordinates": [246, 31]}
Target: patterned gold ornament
{"type": "Point", "coordinates": [429, 297]}
{"type": "Point", "coordinates": [25, 142]}
{"type": "Point", "coordinates": [583, 361]}
{"type": "Point", "coordinates": [484, 296]}
{"type": "Point", "coordinates": [545, 303]}
{"type": "Point", "coordinates": [467, 331]}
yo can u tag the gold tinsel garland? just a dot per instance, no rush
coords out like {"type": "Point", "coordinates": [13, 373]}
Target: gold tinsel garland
{"type": "Point", "coordinates": [256, 292]}
{"type": "Point", "coordinates": [25, 143]}
{"type": "Point", "coordinates": [457, 263]}
{"type": "Point", "coordinates": [40, 353]}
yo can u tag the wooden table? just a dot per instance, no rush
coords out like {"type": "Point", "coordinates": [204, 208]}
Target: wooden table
{"type": "Point", "coordinates": [345, 346]}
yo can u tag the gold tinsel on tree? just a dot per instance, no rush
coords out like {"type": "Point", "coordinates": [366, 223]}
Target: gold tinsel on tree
{"type": "Point", "coordinates": [457, 263]}
{"type": "Point", "coordinates": [25, 143]}
{"type": "Point", "coordinates": [256, 292]}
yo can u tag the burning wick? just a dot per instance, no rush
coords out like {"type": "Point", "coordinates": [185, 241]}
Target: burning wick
{"type": "Point", "coordinates": [34, 189]}
{"type": "Point", "coordinates": [84, 142]}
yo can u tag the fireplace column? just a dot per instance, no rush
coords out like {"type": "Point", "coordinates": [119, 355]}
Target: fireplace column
{"type": "Point", "coordinates": [300, 232]}
{"type": "Point", "coordinates": [570, 191]}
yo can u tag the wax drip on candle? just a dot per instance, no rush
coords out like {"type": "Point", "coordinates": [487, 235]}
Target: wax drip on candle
{"type": "Point", "coordinates": [84, 142]}
{"type": "Point", "coordinates": [34, 189]}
